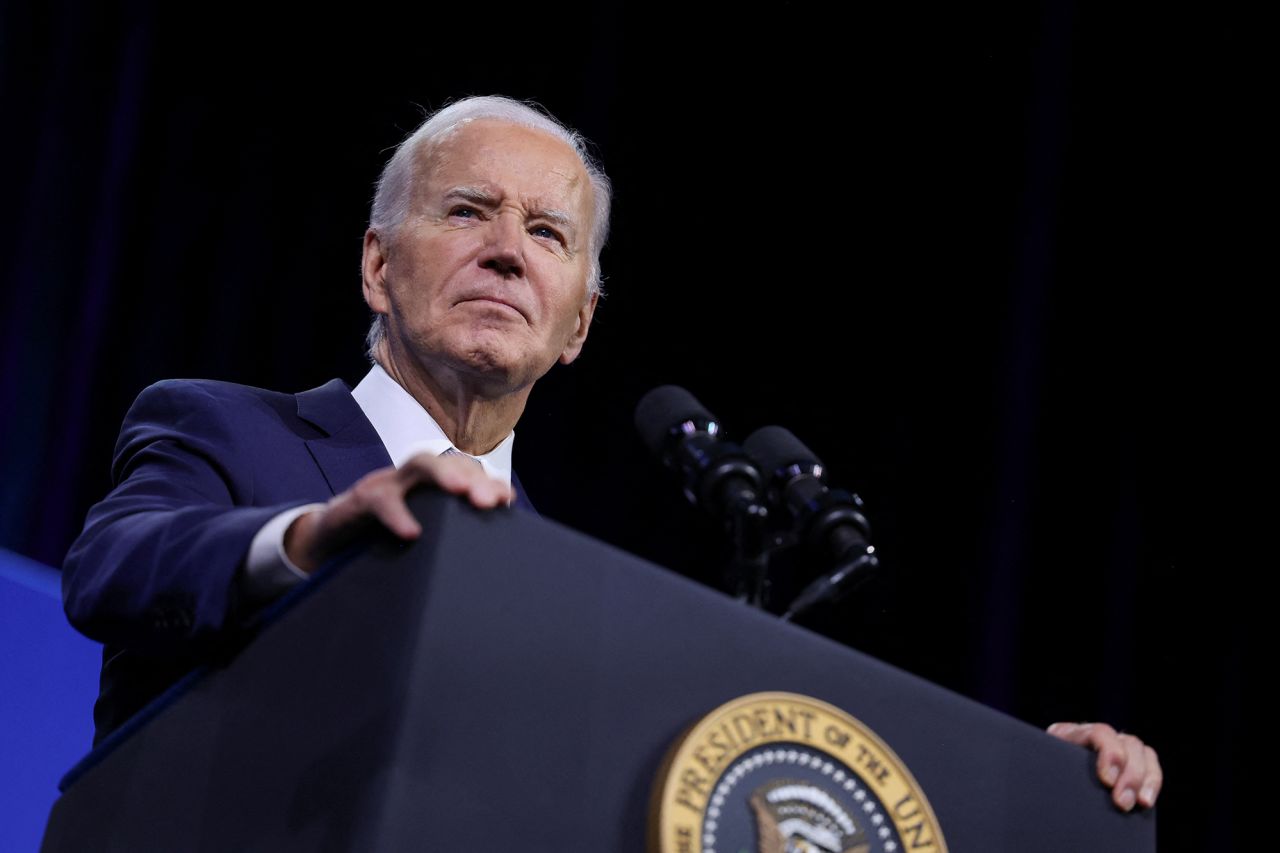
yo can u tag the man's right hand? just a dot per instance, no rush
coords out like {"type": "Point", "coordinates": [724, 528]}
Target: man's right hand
{"type": "Point", "coordinates": [379, 498]}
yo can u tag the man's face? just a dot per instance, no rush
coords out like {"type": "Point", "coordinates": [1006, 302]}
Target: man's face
{"type": "Point", "coordinates": [486, 279]}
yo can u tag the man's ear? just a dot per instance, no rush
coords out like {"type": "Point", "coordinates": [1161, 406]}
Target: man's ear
{"type": "Point", "coordinates": [579, 336]}
{"type": "Point", "coordinates": [373, 269]}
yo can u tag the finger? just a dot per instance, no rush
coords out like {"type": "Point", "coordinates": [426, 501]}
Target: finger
{"type": "Point", "coordinates": [1121, 760]}
{"type": "Point", "coordinates": [1154, 780]}
{"type": "Point", "coordinates": [376, 497]}
{"type": "Point", "coordinates": [460, 476]}
{"type": "Point", "coordinates": [390, 509]}
{"type": "Point", "coordinates": [1100, 736]}
{"type": "Point", "coordinates": [421, 468]}
{"type": "Point", "coordinates": [1084, 734]}
{"type": "Point", "coordinates": [1070, 732]}
{"type": "Point", "coordinates": [316, 536]}
{"type": "Point", "coordinates": [487, 493]}
{"type": "Point", "coordinates": [452, 474]}
{"type": "Point", "coordinates": [1132, 773]}
{"type": "Point", "coordinates": [1111, 753]}
{"type": "Point", "coordinates": [333, 526]}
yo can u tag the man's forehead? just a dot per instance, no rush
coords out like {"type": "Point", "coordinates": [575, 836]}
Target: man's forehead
{"type": "Point", "coordinates": [502, 158]}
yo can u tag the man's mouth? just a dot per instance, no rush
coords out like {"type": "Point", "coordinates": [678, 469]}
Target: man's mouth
{"type": "Point", "coordinates": [495, 300]}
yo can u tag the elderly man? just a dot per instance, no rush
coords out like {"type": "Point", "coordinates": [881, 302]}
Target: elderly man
{"type": "Point", "coordinates": [481, 265]}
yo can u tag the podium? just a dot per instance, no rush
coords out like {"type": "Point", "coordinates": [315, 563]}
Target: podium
{"type": "Point", "coordinates": [505, 683]}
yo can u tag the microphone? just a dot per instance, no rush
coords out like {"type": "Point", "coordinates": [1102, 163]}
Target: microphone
{"type": "Point", "coordinates": [829, 523]}
{"type": "Point", "coordinates": [687, 438]}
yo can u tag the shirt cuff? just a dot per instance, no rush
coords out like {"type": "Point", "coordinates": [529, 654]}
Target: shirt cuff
{"type": "Point", "coordinates": [268, 571]}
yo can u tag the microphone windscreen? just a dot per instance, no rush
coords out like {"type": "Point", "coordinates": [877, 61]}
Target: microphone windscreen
{"type": "Point", "coordinates": [775, 448]}
{"type": "Point", "coordinates": [661, 409]}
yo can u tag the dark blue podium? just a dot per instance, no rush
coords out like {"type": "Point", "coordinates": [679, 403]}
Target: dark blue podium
{"type": "Point", "coordinates": [508, 684]}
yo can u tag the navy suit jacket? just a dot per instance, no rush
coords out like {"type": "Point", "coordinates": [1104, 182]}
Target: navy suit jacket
{"type": "Point", "coordinates": [199, 468]}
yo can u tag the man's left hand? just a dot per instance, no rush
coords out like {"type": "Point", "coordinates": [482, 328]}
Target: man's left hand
{"type": "Point", "coordinates": [1125, 764]}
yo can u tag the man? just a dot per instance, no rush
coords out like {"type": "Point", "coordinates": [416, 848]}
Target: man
{"type": "Point", "coordinates": [481, 265]}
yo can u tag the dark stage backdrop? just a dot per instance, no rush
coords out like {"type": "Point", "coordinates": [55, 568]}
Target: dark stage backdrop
{"type": "Point", "coordinates": [988, 261]}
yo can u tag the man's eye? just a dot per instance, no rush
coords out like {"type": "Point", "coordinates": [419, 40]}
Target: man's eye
{"type": "Point", "coordinates": [463, 212]}
{"type": "Point", "coordinates": [546, 233]}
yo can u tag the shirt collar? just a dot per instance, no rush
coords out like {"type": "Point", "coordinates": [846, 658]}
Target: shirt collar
{"type": "Point", "coordinates": [406, 428]}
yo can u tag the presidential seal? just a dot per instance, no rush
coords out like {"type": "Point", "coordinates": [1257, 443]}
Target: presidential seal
{"type": "Point", "coordinates": [784, 773]}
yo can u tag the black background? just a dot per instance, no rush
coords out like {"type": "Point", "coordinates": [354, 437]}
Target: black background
{"type": "Point", "coordinates": [993, 263]}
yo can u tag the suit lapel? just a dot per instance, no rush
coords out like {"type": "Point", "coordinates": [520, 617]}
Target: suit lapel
{"type": "Point", "coordinates": [522, 498]}
{"type": "Point", "coordinates": [351, 447]}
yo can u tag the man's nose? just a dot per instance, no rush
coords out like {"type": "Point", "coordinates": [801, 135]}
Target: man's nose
{"type": "Point", "coordinates": [503, 251]}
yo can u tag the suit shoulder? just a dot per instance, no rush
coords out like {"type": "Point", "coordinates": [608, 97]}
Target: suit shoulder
{"type": "Point", "coordinates": [210, 405]}
{"type": "Point", "coordinates": [186, 408]}
{"type": "Point", "coordinates": [218, 421]}
{"type": "Point", "coordinates": [210, 390]}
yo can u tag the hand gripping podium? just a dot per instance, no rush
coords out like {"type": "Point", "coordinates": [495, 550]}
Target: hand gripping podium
{"type": "Point", "coordinates": [507, 684]}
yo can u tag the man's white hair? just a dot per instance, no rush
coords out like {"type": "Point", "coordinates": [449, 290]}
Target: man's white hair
{"type": "Point", "coordinates": [394, 195]}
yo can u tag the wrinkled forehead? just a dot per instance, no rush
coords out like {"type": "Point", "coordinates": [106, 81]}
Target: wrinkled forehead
{"type": "Point", "coordinates": [515, 162]}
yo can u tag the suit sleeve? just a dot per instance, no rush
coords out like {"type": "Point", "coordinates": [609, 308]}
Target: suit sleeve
{"type": "Point", "coordinates": [158, 563]}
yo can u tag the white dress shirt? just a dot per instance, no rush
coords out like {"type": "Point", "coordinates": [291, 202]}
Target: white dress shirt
{"type": "Point", "coordinates": [406, 429]}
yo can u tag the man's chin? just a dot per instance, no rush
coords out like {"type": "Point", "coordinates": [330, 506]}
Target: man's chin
{"type": "Point", "coordinates": [497, 370]}
{"type": "Point", "coordinates": [492, 361]}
